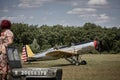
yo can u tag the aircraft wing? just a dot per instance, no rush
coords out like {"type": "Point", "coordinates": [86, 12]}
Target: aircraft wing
{"type": "Point", "coordinates": [60, 54]}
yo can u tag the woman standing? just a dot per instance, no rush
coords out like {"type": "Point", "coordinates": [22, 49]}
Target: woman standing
{"type": "Point", "coordinates": [6, 39]}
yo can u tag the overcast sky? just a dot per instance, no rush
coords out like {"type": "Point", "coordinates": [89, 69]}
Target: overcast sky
{"type": "Point", "coordinates": [64, 12]}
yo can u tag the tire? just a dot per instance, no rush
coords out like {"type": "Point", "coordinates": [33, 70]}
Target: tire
{"type": "Point", "coordinates": [83, 62]}
{"type": "Point", "coordinates": [59, 75]}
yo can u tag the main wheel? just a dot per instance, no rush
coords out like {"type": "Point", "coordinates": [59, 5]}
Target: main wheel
{"type": "Point", "coordinates": [83, 62]}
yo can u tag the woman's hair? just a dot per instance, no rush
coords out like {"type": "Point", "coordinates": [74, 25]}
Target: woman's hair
{"type": "Point", "coordinates": [5, 24]}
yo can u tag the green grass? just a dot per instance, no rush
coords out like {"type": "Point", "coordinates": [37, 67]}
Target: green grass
{"type": "Point", "coordinates": [99, 67]}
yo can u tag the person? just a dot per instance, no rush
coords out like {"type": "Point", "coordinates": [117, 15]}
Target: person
{"type": "Point", "coordinates": [6, 39]}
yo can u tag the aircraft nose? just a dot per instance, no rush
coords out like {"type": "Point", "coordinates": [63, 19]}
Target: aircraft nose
{"type": "Point", "coordinates": [98, 45]}
{"type": "Point", "coordinates": [95, 44]}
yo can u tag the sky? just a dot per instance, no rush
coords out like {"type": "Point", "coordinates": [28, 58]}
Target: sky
{"type": "Point", "coordinates": [105, 13]}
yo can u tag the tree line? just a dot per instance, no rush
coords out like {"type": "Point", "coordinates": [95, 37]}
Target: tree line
{"type": "Point", "coordinates": [57, 35]}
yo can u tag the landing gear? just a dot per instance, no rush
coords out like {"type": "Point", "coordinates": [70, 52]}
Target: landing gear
{"type": "Point", "coordinates": [83, 62]}
{"type": "Point", "coordinates": [76, 60]}
{"type": "Point", "coordinates": [77, 63]}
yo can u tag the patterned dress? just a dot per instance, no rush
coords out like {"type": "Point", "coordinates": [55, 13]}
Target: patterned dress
{"type": "Point", "coordinates": [6, 39]}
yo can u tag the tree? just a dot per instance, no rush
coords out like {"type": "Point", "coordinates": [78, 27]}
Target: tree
{"type": "Point", "coordinates": [35, 46]}
{"type": "Point", "coordinates": [49, 36]}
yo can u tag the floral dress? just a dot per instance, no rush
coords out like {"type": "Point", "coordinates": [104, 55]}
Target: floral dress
{"type": "Point", "coordinates": [6, 39]}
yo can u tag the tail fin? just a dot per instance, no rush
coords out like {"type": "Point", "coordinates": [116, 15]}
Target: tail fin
{"type": "Point", "coordinates": [29, 51]}
{"type": "Point", "coordinates": [26, 53]}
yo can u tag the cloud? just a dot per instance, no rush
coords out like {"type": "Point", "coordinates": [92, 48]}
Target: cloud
{"type": "Point", "coordinates": [31, 3]}
{"type": "Point", "coordinates": [97, 2]}
{"type": "Point", "coordinates": [19, 18]}
{"type": "Point", "coordinates": [44, 18]}
{"type": "Point", "coordinates": [81, 10]}
{"type": "Point", "coordinates": [36, 3]}
{"type": "Point", "coordinates": [39, 3]}
{"type": "Point", "coordinates": [31, 17]}
{"type": "Point", "coordinates": [90, 15]}
{"type": "Point", "coordinates": [74, 3]}
{"type": "Point", "coordinates": [4, 10]}
{"type": "Point", "coordinates": [96, 18]}
{"type": "Point", "coordinates": [102, 18]}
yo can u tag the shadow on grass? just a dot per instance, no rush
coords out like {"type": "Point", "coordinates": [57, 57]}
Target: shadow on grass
{"type": "Point", "coordinates": [45, 65]}
{"type": "Point", "coordinates": [62, 65]}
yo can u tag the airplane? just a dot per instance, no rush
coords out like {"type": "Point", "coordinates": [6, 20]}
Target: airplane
{"type": "Point", "coordinates": [71, 54]}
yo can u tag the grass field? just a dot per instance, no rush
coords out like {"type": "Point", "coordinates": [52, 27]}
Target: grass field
{"type": "Point", "coordinates": [99, 67]}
